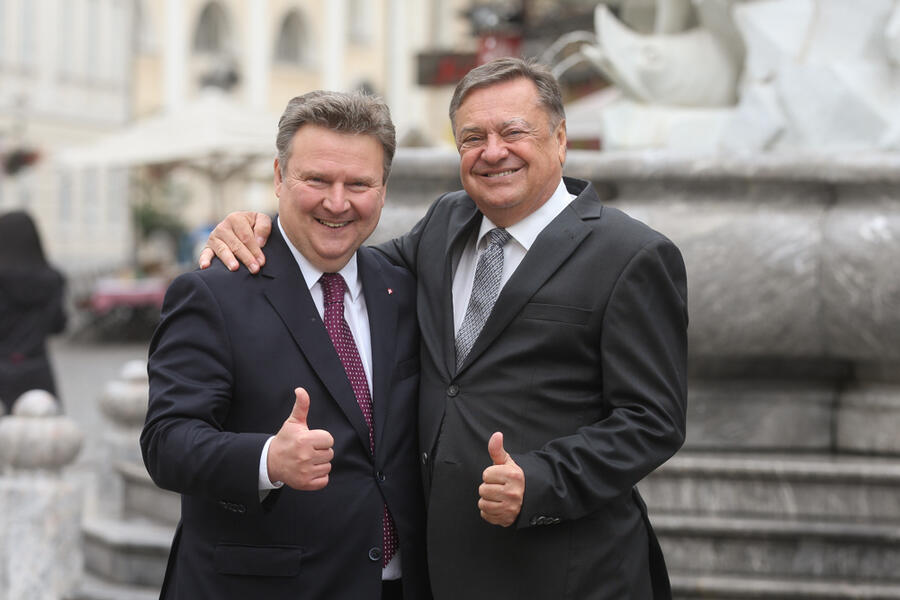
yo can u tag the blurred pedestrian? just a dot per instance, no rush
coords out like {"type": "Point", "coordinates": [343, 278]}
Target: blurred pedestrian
{"type": "Point", "coordinates": [31, 309]}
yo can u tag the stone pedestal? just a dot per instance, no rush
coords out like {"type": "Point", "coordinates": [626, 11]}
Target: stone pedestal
{"type": "Point", "coordinates": [40, 512]}
{"type": "Point", "coordinates": [40, 537]}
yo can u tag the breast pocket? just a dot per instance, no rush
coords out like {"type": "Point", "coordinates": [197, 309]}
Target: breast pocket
{"type": "Point", "coordinates": [558, 313]}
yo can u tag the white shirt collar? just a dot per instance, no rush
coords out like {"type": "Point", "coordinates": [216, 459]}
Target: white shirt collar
{"type": "Point", "coordinates": [311, 274]}
{"type": "Point", "coordinates": [527, 230]}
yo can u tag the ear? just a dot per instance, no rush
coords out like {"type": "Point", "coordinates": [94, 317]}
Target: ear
{"type": "Point", "coordinates": [277, 179]}
{"type": "Point", "coordinates": [561, 141]}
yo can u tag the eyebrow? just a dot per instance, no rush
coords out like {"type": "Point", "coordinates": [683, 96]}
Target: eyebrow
{"type": "Point", "coordinates": [515, 121]}
{"type": "Point", "coordinates": [469, 129]}
{"type": "Point", "coordinates": [307, 174]}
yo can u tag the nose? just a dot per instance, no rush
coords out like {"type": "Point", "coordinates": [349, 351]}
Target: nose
{"type": "Point", "coordinates": [335, 199]}
{"type": "Point", "coordinates": [494, 149]}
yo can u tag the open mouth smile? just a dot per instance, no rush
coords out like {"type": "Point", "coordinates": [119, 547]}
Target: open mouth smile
{"type": "Point", "coordinates": [333, 224]}
{"type": "Point", "coordinates": [500, 174]}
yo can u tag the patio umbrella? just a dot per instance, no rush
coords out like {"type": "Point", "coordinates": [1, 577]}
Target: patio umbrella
{"type": "Point", "coordinates": [212, 134]}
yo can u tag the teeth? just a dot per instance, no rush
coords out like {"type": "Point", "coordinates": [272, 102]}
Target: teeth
{"type": "Point", "coordinates": [331, 224]}
{"type": "Point", "coordinates": [501, 174]}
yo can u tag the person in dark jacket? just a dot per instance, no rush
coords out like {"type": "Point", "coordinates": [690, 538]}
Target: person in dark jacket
{"type": "Point", "coordinates": [31, 309]}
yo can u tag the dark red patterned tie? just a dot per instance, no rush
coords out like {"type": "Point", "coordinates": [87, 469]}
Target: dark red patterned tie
{"type": "Point", "coordinates": [333, 288]}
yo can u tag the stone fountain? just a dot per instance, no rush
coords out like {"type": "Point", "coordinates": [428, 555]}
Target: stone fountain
{"type": "Point", "coordinates": [762, 137]}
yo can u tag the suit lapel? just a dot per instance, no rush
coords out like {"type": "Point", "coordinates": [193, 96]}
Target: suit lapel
{"type": "Point", "coordinates": [382, 310]}
{"type": "Point", "coordinates": [550, 250]}
{"type": "Point", "coordinates": [462, 223]}
{"type": "Point", "coordinates": [286, 291]}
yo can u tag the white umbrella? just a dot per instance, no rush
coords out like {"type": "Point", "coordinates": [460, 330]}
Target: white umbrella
{"type": "Point", "coordinates": [212, 126]}
{"type": "Point", "coordinates": [212, 134]}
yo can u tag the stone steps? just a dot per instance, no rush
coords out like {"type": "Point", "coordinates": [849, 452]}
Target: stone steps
{"type": "Point", "coordinates": [760, 526]}
{"type": "Point", "coordinates": [143, 499]}
{"type": "Point", "coordinates": [779, 485]}
{"type": "Point", "coordinates": [779, 547]}
{"type": "Point", "coordinates": [132, 552]}
{"type": "Point", "coordinates": [762, 588]}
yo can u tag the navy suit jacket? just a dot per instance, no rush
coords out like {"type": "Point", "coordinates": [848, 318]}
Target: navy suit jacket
{"type": "Point", "coordinates": [224, 361]}
{"type": "Point", "coordinates": [582, 365]}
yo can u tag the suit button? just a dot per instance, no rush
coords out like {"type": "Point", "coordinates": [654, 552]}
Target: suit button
{"type": "Point", "coordinates": [453, 390]}
{"type": "Point", "coordinates": [380, 475]}
{"type": "Point", "coordinates": [374, 554]}
{"type": "Point", "coordinates": [424, 458]}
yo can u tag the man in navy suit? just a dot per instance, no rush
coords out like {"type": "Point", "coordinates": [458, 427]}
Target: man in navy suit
{"type": "Point", "coordinates": [283, 404]}
{"type": "Point", "coordinates": [534, 430]}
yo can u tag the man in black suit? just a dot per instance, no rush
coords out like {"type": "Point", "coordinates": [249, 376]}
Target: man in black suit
{"type": "Point", "coordinates": [283, 403]}
{"type": "Point", "coordinates": [536, 424]}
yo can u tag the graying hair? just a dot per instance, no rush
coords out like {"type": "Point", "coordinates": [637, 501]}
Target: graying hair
{"type": "Point", "coordinates": [355, 113]}
{"type": "Point", "coordinates": [506, 69]}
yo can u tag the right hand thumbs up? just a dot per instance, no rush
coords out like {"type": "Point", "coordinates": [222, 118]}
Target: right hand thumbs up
{"type": "Point", "coordinates": [301, 407]}
{"type": "Point", "coordinates": [300, 456]}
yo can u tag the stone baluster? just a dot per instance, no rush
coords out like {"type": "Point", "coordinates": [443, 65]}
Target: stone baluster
{"type": "Point", "coordinates": [40, 510]}
{"type": "Point", "coordinates": [124, 404]}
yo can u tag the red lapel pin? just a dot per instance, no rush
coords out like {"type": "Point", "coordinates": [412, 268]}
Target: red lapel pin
{"type": "Point", "coordinates": [390, 291]}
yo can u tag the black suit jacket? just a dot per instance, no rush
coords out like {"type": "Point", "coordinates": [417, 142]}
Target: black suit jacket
{"type": "Point", "coordinates": [224, 361]}
{"type": "Point", "coordinates": [582, 366]}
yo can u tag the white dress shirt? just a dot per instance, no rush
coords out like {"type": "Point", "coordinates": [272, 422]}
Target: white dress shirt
{"type": "Point", "coordinates": [358, 319]}
{"type": "Point", "coordinates": [523, 235]}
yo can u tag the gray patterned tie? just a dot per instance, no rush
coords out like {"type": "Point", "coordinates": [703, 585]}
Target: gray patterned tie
{"type": "Point", "coordinates": [485, 289]}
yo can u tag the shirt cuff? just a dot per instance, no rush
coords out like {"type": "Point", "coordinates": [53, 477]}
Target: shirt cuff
{"type": "Point", "coordinates": [264, 483]}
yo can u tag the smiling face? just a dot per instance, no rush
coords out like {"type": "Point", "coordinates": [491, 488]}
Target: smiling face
{"type": "Point", "coordinates": [331, 194]}
{"type": "Point", "coordinates": [510, 157]}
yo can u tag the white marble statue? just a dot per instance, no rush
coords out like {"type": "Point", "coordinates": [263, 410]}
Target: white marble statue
{"type": "Point", "coordinates": [747, 76]}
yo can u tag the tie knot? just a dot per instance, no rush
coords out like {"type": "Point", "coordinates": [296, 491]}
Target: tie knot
{"type": "Point", "coordinates": [498, 236]}
{"type": "Point", "coordinates": [333, 287]}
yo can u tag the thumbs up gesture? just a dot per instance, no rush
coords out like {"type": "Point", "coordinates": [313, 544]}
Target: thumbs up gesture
{"type": "Point", "coordinates": [300, 456]}
{"type": "Point", "coordinates": [503, 489]}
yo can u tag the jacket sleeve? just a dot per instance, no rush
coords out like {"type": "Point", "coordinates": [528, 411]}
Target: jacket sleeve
{"type": "Point", "coordinates": [643, 346]}
{"type": "Point", "coordinates": [184, 443]}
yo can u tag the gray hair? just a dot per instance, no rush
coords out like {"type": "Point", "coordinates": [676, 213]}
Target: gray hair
{"type": "Point", "coordinates": [353, 113]}
{"type": "Point", "coordinates": [506, 69]}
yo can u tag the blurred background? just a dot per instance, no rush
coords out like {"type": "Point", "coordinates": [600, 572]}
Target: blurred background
{"type": "Point", "coordinates": [762, 136]}
{"type": "Point", "coordinates": [129, 127]}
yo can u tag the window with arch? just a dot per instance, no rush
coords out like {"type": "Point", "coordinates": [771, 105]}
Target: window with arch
{"type": "Point", "coordinates": [212, 33]}
{"type": "Point", "coordinates": [289, 48]}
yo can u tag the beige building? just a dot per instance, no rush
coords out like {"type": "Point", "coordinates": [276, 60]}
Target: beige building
{"type": "Point", "coordinates": [76, 71]}
{"type": "Point", "coordinates": [278, 48]}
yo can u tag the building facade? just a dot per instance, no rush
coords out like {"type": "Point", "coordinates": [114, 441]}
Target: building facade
{"type": "Point", "coordinates": [75, 71]}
